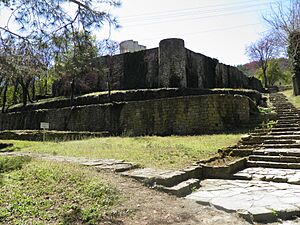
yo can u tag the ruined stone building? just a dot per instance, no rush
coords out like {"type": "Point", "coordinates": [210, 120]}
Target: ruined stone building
{"type": "Point", "coordinates": [169, 65]}
{"type": "Point", "coordinates": [182, 104]}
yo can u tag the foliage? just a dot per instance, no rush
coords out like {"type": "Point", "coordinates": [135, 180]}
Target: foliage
{"type": "Point", "coordinates": [269, 124]}
{"type": "Point", "coordinates": [274, 74]}
{"type": "Point", "coordinates": [21, 66]}
{"type": "Point", "coordinates": [47, 32]}
{"type": "Point", "coordinates": [284, 19]}
{"type": "Point", "coordinates": [55, 193]}
{"type": "Point", "coordinates": [47, 21]}
{"type": "Point", "coordinates": [295, 100]}
{"type": "Point", "coordinates": [279, 73]}
{"type": "Point", "coordinates": [76, 64]}
{"type": "Point", "coordinates": [161, 152]}
{"type": "Point", "coordinates": [245, 70]}
{"type": "Point", "coordinates": [8, 164]}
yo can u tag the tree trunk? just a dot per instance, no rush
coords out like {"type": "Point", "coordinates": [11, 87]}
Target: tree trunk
{"type": "Point", "coordinates": [294, 57]}
{"type": "Point", "coordinates": [25, 92]}
{"type": "Point", "coordinates": [24, 95]}
{"type": "Point", "coordinates": [4, 98]}
{"type": "Point", "coordinates": [265, 77]}
{"type": "Point", "coordinates": [15, 92]}
{"type": "Point", "coordinates": [72, 90]}
{"type": "Point", "coordinates": [33, 90]}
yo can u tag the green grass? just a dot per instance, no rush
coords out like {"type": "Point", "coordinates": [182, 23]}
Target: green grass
{"type": "Point", "coordinates": [295, 100]}
{"type": "Point", "coordinates": [151, 151]}
{"type": "Point", "coordinates": [43, 192]}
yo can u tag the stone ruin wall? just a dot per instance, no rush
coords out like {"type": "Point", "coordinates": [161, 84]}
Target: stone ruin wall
{"type": "Point", "coordinates": [179, 115]}
{"type": "Point", "coordinates": [172, 65]}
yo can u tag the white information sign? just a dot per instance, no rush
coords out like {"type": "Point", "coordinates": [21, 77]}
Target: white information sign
{"type": "Point", "coordinates": [44, 125]}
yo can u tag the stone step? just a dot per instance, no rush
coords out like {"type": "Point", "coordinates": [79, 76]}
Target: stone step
{"type": "Point", "coordinates": [278, 152]}
{"type": "Point", "coordinates": [297, 122]}
{"type": "Point", "coordinates": [266, 140]}
{"type": "Point", "coordinates": [167, 178]}
{"type": "Point", "coordinates": [282, 104]}
{"type": "Point", "coordinates": [254, 135]}
{"type": "Point", "coordinates": [286, 114]}
{"type": "Point", "coordinates": [284, 107]}
{"type": "Point", "coordinates": [286, 110]}
{"type": "Point", "coordinates": [296, 145]}
{"type": "Point", "coordinates": [280, 141]}
{"type": "Point", "coordinates": [250, 146]}
{"type": "Point", "coordinates": [266, 158]}
{"type": "Point", "coordinates": [289, 116]}
{"type": "Point", "coordinates": [268, 164]}
{"type": "Point", "coordinates": [182, 189]}
{"type": "Point", "coordinates": [292, 125]}
{"type": "Point", "coordinates": [291, 133]}
{"type": "Point", "coordinates": [278, 136]}
{"type": "Point", "coordinates": [289, 120]}
{"type": "Point", "coordinates": [290, 176]}
{"type": "Point", "coordinates": [275, 129]}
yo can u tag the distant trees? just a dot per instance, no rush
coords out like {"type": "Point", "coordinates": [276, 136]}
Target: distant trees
{"type": "Point", "coordinates": [278, 71]}
{"type": "Point", "coordinates": [47, 20]}
{"type": "Point", "coordinates": [263, 51]}
{"type": "Point", "coordinates": [39, 34]}
{"type": "Point", "coordinates": [284, 21]}
{"type": "Point", "coordinates": [21, 66]}
{"type": "Point", "coordinates": [275, 74]}
{"type": "Point", "coordinates": [282, 39]}
{"type": "Point", "coordinates": [76, 62]}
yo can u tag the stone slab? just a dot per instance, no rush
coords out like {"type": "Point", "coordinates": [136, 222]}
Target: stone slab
{"type": "Point", "coordinates": [254, 200]}
{"type": "Point", "coordinates": [291, 176]}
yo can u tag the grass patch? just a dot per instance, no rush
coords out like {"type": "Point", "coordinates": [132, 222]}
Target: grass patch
{"type": "Point", "coordinates": [295, 100]}
{"type": "Point", "coordinates": [12, 163]}
{"type": "Point", "coordinates": [43, 192]}
{"type": "Point", "coordinates": [150, 151]}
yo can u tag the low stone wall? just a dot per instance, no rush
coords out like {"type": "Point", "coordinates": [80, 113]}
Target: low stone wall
{"type": "Point", "coordinates": [180, 115]}
{"type": "Point", "coordinates": [135, 95]}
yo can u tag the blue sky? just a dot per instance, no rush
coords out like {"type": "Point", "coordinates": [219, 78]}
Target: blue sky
{"type": "Point", "coordinates": [216, 28]}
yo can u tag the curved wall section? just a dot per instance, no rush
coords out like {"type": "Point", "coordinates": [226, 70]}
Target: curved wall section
{"type": "Point", "coordinates": [179, 115]}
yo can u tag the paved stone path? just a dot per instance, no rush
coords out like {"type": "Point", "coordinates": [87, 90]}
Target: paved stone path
{"type": "Point", "coordinates": [270, 187]}
{"type": "Point", "coordinates": [101, 164]}
{"type": "Point", "coordinates": [254, 200]}
{"type": "Point", "coordinates": [291, 176]}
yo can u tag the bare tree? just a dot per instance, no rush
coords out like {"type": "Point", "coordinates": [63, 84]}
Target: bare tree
{"type": "Point", "coordinates": [263, 51]}
{"type": "Point", "coordinates": [284, 20]}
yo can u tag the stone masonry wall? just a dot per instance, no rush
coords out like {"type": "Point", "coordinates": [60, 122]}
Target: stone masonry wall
{"type": "Point", "coordinates": [180, 115]}
{"type": "Point", "coordinates": [169, 65]}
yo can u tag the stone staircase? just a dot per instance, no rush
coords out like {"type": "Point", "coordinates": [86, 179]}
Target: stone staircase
{"type": "Point", "coordinates": [268, 188]}
{"type": "Point", "coordinates": [278, 146]}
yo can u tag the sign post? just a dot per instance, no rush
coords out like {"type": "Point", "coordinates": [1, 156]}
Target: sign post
{"type": "Point", "coordinates": [45, 126]}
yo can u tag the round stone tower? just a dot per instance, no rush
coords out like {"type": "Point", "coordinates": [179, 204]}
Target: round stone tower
{"type": "Point", "coordinates": [172, 63]}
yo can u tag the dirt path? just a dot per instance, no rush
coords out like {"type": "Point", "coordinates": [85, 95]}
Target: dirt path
{"type": "Point", "coordinates": [155, 208]}
{"type": "Point", "coordinates": [151, 207]}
